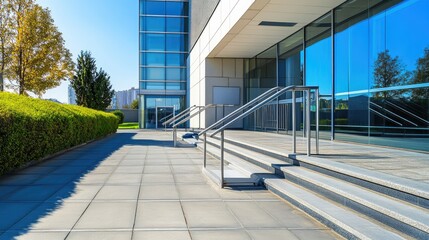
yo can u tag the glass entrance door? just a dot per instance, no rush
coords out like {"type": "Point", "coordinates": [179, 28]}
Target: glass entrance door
{"type": "Point", "coordinates": [163, 114]}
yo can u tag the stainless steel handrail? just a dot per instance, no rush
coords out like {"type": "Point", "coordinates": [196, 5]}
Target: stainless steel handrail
{"type": "Point", "coordinates": [219, 122]}
{"type": "Point", "coordinates": [261, 101]}
{"type": "Point", "coordinates": [180, 115]}
{"type": "Point", "coordinates": [200, 110]}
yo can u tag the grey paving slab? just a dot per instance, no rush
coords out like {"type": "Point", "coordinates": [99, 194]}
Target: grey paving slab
{"type": "Point", "coordinates": [158, 192]}
{"type": "Point", "coordinates": [251, 215]}
{"type": "Point", "coordinates": [220, 234]}
{"type": "Point", "coordinates": [108, 215]}
{"type": "Point", "coordinates": [33, 193]}
{"type": "Point", "coordinates": [209, 215]}
{"type": "Point", "coordinates": [52, 216]}
{"type": "Point", "coordinates": [72, 192]}
{"type": "Point", "coordinates": [122, 187]}
{"type": "Point", "coordinates": [124, 179]}
{"type": "Point", "coordinates": [104, 235]}
{"type": "Point", "coordinates": [24, 235]}
{"type": "Point", "coordinates": [161, 235]}
{"type": "Point", "coordinates": [12, 212]}
{"type": "Point", "coordinates": [197, 191]}
{"type": "Point", "coordinates": [118, 193]}
{"type": "Point", "coordinates": [164, 214]}
{"type": "Point", "coordinates": [274, 234]}
{"type": "Point", "coordinates": [157, 178]}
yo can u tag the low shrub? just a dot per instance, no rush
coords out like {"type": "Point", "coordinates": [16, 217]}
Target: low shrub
{"type": "Point", "coordinates": [31, 129]}
{"type": "Point", "coordinates": [120, 115]}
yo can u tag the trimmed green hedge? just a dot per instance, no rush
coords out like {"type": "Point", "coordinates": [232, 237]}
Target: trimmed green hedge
{"type": "Point", "coordinates": [31, 129]}
{"type": "Point", "coordinates": [120, 115]}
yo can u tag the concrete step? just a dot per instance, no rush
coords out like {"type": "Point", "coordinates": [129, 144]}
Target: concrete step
{"type": "Point", "coordinates": [405, 217]}
{"type": "Point", "coordinates": [346, 222]}
{"type": "Point", "coordinates": [240, 171]}
{"type": "Point", "coordinates": [268, 163]}
{"type": "Point", "coordinates": [407, 190]}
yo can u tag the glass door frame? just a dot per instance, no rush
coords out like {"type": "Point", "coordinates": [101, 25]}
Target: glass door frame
{"type": "Point", "coordinates": [156, 113]}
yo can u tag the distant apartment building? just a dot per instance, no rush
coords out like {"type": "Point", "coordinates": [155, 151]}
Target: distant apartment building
{"type": "Point", "coordinates": [123, 99]}
{"type": "Point", "coordinates": [71, 95]}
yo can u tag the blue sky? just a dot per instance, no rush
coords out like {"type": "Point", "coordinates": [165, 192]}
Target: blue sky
{"type": "Point", "coordinates": [107, 28]}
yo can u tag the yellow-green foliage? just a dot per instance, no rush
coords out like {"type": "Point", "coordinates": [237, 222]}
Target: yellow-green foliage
{"type": "Point", "coordinates": [31, 129]}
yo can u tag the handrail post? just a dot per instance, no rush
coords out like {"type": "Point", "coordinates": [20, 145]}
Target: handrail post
{"type": "Point", "coordinates": [294, 121]}
{"type": "Point", "coordinates": [317, 119]}
{"type": "Point", "coordinates": [222, 169]}
{"type": "Point", "coordinates": [205, 150]}
{"type": "Point", "coordinates": [308, 122]}
{"type": "Point", "coordinates": [174, 136]}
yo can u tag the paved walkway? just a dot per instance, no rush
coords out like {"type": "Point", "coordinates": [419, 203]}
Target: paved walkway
{"type": "Point", "coordinates": [396, 162]}
{"type": "Point", "coordinates": [134, 185]}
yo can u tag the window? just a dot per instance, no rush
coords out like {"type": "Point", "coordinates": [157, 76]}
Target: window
{"type": "Point", "coordinates": [154, 8]}
{"type": "Point", "coordinates": [176, 42]}
{"type": "Point", "coordinates": [175, 59]}
{"type": "Point", "coordinates": [153, 59]}
{"type": "Point", "coordinates": [152, 24]}
{"type": "Point", "coordinates": [155, 42]}
{"type": "Point", "coordinates": [151, 73]}
{"type": "Point", "coordinates": [177, 8]}
{"type": "Point", "coordinates": [176, 24]}
{"type": "Point", "coordinates": [176, 73]}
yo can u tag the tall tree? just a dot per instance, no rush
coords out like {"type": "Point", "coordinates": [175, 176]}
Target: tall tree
{"type": "Point", "coordinates": [40, 60]}
{"type": "Point", "coordinates": [92, 87]}
{"type": "Point", "coordinates": [388, 72]}
{"type": "Point", "coordinates": [421, 75]}
{"type": "Point", "coordinates": [6, 38]}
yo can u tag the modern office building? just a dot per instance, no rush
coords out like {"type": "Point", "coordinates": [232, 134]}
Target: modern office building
{"type": "Point", "coordinates": [370, 59]}
{"type": "Point", "coordinates": [163, 54]}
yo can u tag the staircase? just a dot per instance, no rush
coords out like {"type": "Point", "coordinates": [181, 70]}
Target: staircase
{"type": "Point", "coordinates": [355, 202]}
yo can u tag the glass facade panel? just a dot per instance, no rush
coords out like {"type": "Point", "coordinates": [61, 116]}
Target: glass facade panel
{"type": "Point", "coordinates": [176, 42]}
{"type": "Point", "coordinates": [177, 8]}
{"type": "Point", "coordinates": [152, 59]}
{"type": "Point", "coordinates": [154, 8]}
{"type": "Point", "coordinates": [154, 73]}
{"type": "Point", "coordinates": [177, 24]}
{"type": "Point", "coordinates": [154, 42]}
{"type": "Point", "coordinates": [379, 82]}
{"type": "Point", "coordinates": [318, 68]}
{"type": "Point", "coordinates": [176, 59]}
{"type": "Point", "coordinates": [176, 73]}
{"type": "Point", "coordinates": [154, 103]}
{"type": "Point", "coordinates": [152, 24]}
{"type": "Point", "coordinates": [163, 53]}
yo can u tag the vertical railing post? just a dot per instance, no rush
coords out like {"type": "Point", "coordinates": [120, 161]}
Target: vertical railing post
{"type": "Point", "coordinates": [308, 122]}
{"type": "Point", "coordinates": [205, 150]}
{"type": "Point", "coordinates": [317, 120]}
{"type": "Point", "coordinates": [294, 121]}
{"type": "Point", "coordinates": [174, 137]}
{"type": "Point", "coordinates": [222, 170]}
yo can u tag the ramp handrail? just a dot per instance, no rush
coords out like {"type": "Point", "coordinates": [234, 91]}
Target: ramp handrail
{"type": "Point", "coordinates": [256, 104]}
{"type": "Point", "coordinates": [219, 122]}
{"type": "Point", "coordinates": [176, 124]}
{"type": "Point", "coordinates": [180, 115]}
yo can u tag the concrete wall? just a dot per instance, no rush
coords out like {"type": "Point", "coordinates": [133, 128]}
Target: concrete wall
{"type": "Point", "coordinates": [200, 15]}
{"type": "Point", "coordinates": [207, 72]}
{"type": "Point", "coordinates": [216, 72]}
{"type": "Point", "coordinates": [130, 115]}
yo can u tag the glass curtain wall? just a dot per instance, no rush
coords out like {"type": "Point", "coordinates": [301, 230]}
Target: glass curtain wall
{"type": "Point", "coordinates": [370, 59]}
{"type": "Point", "coordinates": [163, 55]}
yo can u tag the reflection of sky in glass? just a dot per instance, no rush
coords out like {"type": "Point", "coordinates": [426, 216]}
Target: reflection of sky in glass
{"type": "Point", "coordinates": [318, 67]}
